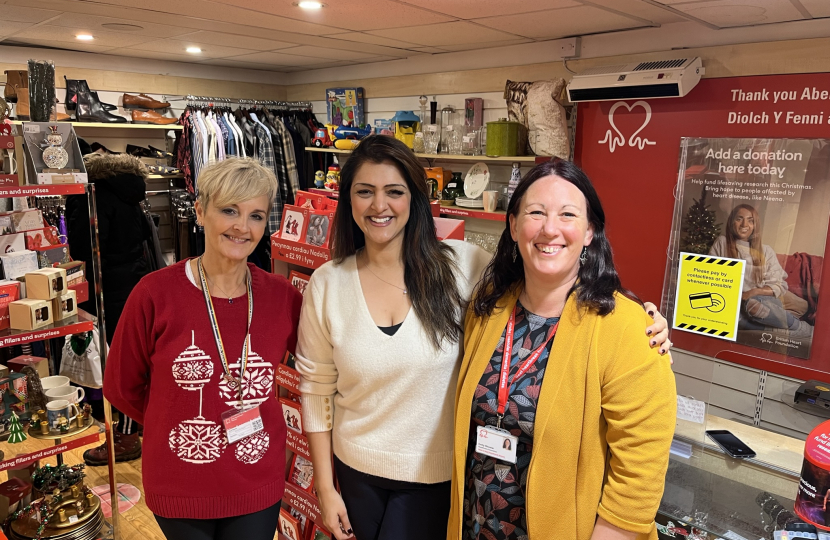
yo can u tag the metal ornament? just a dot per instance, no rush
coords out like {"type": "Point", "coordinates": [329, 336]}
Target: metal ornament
{"type": "Point", "coordinates": [515, 250]}
{"type": "Point", "coordinates": [55, 157]}
{"type": "Point", "coordinates": [584, 256]}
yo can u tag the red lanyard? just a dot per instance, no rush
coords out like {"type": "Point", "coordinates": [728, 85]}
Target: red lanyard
{"type": "Point", "coordinates": [504, 384]}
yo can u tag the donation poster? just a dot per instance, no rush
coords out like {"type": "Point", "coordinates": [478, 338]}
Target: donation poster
{"type": "Point", "coordinates": [764, 205]}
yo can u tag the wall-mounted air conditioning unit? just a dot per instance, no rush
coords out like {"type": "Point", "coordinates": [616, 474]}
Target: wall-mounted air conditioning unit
{"type": "Point", "coordinates": [658, 79]}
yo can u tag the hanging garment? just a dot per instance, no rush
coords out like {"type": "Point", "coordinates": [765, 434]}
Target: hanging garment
{"type": "Point", "coordinates": [184, 149]}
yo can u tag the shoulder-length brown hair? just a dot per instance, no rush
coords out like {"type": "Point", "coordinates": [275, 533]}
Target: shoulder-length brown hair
{"type": "Point", "coordinates": [756, 247]}
{"type": "Point", "coordinates": [429, 269]}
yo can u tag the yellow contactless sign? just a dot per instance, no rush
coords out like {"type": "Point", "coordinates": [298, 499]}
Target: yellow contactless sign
{"type": "Point", "coordinates": [708, 299]}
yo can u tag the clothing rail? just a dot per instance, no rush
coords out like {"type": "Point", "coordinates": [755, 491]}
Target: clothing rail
{"type": "Point", "coordinates": [191, 99]}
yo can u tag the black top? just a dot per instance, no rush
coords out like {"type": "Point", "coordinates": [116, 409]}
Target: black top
{"type": "Point", "coordinates": [390, 330]}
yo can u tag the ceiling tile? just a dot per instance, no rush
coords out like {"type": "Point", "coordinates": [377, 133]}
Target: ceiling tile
{"type": "Point", "coordinates": [329, 54]}
{"type": "Point", "coordinates": [225, 62]}
{"type": "Point", "coordinates": [479, 46]}
{"type": "Point", "coordinates": [280, 59]}
{"type": "Point", "coordinates": [103, 38]}
{"type": "Point", "coordinates": [470, 9]}
{"type": "Point", "coordinates": [817, 8]}
{"type": "Point", "coordinates": [349, 15]}
{"type": "Point", "coordinates": [374, 40]}
{"type": "Point", "coordinates": [726, 13]}
{"type": "Point", "coordinates": [454, 33]}
{"type": "Point", "coordinates": [434, 50]}
{"type": "Point", "coordinates": [77, 46]}
{"type": "Point", "coordinates": [8, 28]}
{"type": "Point", "coordinates": [26, 14]}
{"type": "Point", "coordinates": [152, 55]}
{"type": "Point", "coordinates": [560, 23]}
{"type": "Point", "coordinates": [93, 24]}
{"type": "Point", "coordinates": [178, 47]}
{"type": "Point", "coordinates": [640, 9]}
{"type": "Point", "coordinates": [234, 40]}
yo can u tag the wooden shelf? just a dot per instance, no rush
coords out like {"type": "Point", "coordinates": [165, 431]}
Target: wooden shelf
{"type": "Point", "coordinates": [457, 211]}
{"type": "Point", "coordinates": [164, 176]}
{"type": "Point", "coordinates": [443, 157]}
{"type": "Point", "coordinates": [109, 126]}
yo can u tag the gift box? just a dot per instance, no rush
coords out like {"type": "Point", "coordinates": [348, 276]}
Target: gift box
{"type": "Point", "coordinates": [4, 371]}
{"type": "Point", "coordinates": [30, 314]}
{"type": "Point", "coordinates": [14, 494]}
{"type": "Point", "coordinates": [46, 283]}
{"type": "Point", "coordinates": [23, 472]}
{"type": "Point", "coordinates": [14, 388]}
{"type": "Point", "coordinates": [41, 365]}
{"type": "Point", "coordinates": [18, 263]}
{"type": "Point", "coordinates": [26, 220]}
{"type": "Point", "coordinates": [81, 290]}
{"type": "Point", "coordinates": [37, 171]}
{"type": "Point", "coordinates": [12, 242]}
{"type": "Point", "coordinates": [64, 306]}
{"type": "Point", "coordinates": [52, 256]}
{"type": "Point", "coordinates": [42, 238]}
{"type": "Point", "coordinates": [75, 272]}
{"type": "Point", "coordinates": [9, 292]}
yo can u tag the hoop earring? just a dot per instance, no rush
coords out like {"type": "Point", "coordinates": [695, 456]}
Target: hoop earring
{"type": "Point", "coordinates": [583, 258]}
{"type": "Point", "coordinates": [515, 251]}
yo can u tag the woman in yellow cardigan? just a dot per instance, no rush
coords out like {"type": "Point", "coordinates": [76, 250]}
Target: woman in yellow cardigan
{"type": "Point", "coordinates": [588, 407]}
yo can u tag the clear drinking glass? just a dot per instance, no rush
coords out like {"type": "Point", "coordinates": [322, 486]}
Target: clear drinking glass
{"type": "Point", "coordinates": [469, 143]}
{"type": "Point", "coordinates": [432, 137]}
{"type": "Point", "coordinates": [454, 140]}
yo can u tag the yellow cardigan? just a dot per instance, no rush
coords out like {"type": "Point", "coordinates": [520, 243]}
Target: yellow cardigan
{"type": "Point", "coordinates": [604, 422]}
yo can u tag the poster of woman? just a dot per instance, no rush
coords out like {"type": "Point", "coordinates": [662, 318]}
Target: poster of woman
{"type": "Point", "coordinates": [766, 202]}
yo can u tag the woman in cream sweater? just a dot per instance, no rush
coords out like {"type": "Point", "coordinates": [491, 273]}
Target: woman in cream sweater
{"type": "Point", "coordinates": [555, 363]}
{"type": "Point", "coordinates": [378, 352]}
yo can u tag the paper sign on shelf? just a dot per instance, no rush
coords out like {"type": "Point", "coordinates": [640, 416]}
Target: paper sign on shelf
{"type": "Point", "coordinates": [708, 298]}
{"type": "Point", "coordinates": [691, 409]}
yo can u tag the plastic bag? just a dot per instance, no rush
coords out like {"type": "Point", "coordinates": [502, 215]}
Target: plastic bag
{"type": "Point", "coordinates": [81, 361]}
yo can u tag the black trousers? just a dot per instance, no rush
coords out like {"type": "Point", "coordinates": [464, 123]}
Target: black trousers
{"type": "Point", "coordinates": [260, 525]}
{"type": "Point", "coordinates": [383, 509]}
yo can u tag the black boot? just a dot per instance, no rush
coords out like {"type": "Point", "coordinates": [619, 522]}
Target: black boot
{"type": "Point", "coordinates": [91, 110]}
{"type": "Point", "coordinates": [73, 86]}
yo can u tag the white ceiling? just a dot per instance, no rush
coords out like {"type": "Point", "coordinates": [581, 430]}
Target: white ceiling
{"type": "Point", "coordinates": [276, 35]}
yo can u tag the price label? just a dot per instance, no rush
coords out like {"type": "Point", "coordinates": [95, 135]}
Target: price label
{"type": "Point", "coordinates": [31, 128]}
{"type": "Point", "coordinates": [466, 139]}
{"type": "Point", "coordinates": [448, 128]}
{"type": "Point", "coordinates": [432, 127]}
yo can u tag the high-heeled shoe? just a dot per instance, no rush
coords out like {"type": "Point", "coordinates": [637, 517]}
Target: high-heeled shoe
{"type": "Point", "coordinates": [99, 148]}
{"type": "Point", "coordinates": [90, 110]}
{"type": "Point", "coordinates": [73, 86]}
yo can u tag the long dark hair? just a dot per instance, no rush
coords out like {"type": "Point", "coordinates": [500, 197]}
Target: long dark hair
{"type": "Point", "coordinates": [597, 280]}
{"type": "Point", "coordinates": [429, 269]}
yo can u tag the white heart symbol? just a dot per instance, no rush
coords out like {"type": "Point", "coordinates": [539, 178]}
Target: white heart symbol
{"type": "Point", "coordinates": [633, 141]}
{"type": "Point", "coordinates": [766, 338]}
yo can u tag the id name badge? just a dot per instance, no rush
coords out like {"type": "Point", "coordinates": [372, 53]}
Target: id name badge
{"type": "Point", "coordinates": [240, 424]}
{"type": "Point", "coordinates": [496, 443]}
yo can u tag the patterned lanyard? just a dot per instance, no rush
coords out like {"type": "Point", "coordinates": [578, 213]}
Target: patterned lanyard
{"type": "Point", "coordinates": [214, 323]}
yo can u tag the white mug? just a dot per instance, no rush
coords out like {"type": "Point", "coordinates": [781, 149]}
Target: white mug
{"type": "Point", "coordinates": [60, 407]}
{"type": "Point", "coordinates": [55, 381]}
{"type": "Point", "coordinates": [491, 200]}
{"type": "Point", "coordinates": [72, 394]}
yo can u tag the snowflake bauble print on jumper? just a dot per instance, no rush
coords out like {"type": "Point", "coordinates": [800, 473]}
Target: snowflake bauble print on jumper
{"type": "Point", "coordinates": [198, 441]}
{"type": "Point", "coordinates": [253, 447]}
{"type": "Point", "coordinates": [193, 368]}
{"type": "Point", "coordinates": [257, 384]}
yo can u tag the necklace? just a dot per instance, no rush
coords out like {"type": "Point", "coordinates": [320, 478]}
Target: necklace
{"type": "Point", "coordinates": [383, 280]}
{"type": "Point", "coordinates": [230, 296]}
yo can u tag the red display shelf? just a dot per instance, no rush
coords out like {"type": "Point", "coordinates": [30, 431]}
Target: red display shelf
{"type": "Point", "coordinates": [288, 378]}
{"type": "Point", "coordinates": [330, 193]}
{"type": "Point", "coordinates": [498, 215]}
{"type": "Point", "coordinates": [82, 322]}
{"type": "Point", "coordinates": [22, 461]}
{"type": "Point", "coordinates": [298, 253]}
{"type": "Point", "coordinates": [42, 189]}
{"type": "Point", "coordinates": [298, 444]}
{"type": "Point", "coordinates": [304, 502]}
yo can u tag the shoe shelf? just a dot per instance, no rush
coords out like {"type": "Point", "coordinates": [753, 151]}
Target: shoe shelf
{"type": "Point", "coordinates": [443, 157]}
{"type": "Point", "coordinates": [115, 126]}
{"type": "Point", "coordinates": [164, 176]}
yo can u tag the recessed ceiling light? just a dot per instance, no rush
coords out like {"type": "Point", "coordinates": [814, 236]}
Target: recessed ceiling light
{"type": "Point", "coordinates": [308, 4]}
{"type": "Point", "coordinates": [194, 50]}
{"type": "Point", "coordinates": [84, 37]}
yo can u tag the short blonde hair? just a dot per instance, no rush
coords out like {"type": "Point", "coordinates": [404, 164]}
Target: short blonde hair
{"type": "Point", "coordinates": [235, 180]}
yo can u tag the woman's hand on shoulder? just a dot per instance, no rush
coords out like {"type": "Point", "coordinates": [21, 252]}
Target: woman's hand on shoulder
{"type": "Point", "coordinates": [658, 333]}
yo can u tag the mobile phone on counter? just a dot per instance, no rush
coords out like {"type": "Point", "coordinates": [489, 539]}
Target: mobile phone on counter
{"type": "Point", "coordinates": [730, 443]}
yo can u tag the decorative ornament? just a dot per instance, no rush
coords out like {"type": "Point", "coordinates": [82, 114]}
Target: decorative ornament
{"type": "Point", "coordinates": [55, 157]}
{"type": "Point", "coordinates": [253, 447]}
{"type": "Point", "coordinates": [198, 441]}
{"type": "Point", "coordinates": [16, 434]}
{"type": "Point", "coordinates": [257, 382]}
{"type": "Point", "coordinates": [193, 368]}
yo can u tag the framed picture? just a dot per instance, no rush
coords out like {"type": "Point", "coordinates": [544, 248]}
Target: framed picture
{"type": "Point", "coordinates": [298, 281]}
{"type": "Point", "coordinates": [302, 519]}
{"type": "Point", "coordinates": [319, 228]}
{"type": "Point", "coordinates": [319, 533]}
{"type": "Point", "coordinates": [289, 360]}
{"type": "Point", "coordinates": [294, 222]}
{"type": "Point", "coordinates": [291, 411]}
{"type": "Point", "coordinates": [302, 473]}
{"type": "Point", "coordinates": [289, 526]}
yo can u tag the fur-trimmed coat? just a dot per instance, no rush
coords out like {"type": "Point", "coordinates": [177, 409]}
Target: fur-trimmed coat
{"type": "Point", "coordinates": [122, 229]}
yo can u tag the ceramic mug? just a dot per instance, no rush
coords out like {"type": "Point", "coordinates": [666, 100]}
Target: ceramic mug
{"type": "Point", "coordinates": [72, 394]}
{"type": "Point", "coordinates": [55, 381]}
{"type": "Point", "coordinates": [60, 407]}
{"type": "Point", "coordinates": [491, 200]}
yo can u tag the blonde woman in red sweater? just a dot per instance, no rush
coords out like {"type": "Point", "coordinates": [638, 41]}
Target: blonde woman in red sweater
{"type": "Point", "coordinates": [197, 341]}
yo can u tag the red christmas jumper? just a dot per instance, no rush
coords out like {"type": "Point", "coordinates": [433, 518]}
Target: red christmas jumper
{"type": "Point", "coordinates": [164, 371]}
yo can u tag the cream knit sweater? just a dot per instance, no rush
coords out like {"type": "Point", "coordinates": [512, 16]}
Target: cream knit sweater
{"type": "Point", "coordinates": [387, 399]}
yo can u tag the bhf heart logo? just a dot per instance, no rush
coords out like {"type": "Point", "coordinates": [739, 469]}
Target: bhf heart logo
{"type": "Point", "coordinates": [618, 140]}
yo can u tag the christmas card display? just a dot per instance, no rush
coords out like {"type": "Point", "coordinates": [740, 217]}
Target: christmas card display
{"type": "Point", "coordinates": [52, 154]}
{"type": "Point", "coordinates": [12, 242]}
{"type": "Point", "coordinates": [17, 263]}
{"type": "Point", "coordinates": [302, 473]}
{"type": "Point", "coordinates": [290, 360]}
{"type": "Point", "coordinates": [318, 533]}
{"type": "Point", "coordinates": [298, 281]}
{"type": "Point", "coordinates": [314, 201]}
{"type": "Point", "coordinates": [52, 256]}
{"type": "Point", "coordinates": [65, 305]}
{"type": "Point", "coordinates": [289, 525]}
{"type": "Point", "coordinates": [292, 412]}
{"type": "Point", "coordinates": [74, 272]}
{"type": "Point", "coordinates": [302, 519]}
{"type": "Point", "coordinates": [9, 292]}
{"type": "Point", "coordinates": [319, 228]}
{"type": "Point", "coordinates": [294, 220]}
{"type": "Point", "coordinates": [42, 238]}
{"type": "Point", "coordinates": [30, 314]}
{"type": "Point", "coordinates": [6, 224]}
{"type": "Point", "coordinates": [46, 283]}
{"type": "Point", "coordinates": [25, 220]}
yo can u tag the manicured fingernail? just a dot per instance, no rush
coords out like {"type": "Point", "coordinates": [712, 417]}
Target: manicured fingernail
{"type": "Point", "coordinates": [648, 333]}
{"type": "Point", "coordinates": [651, 313]}
{"type": "Point", "coordinates": [349, 531]}
{"type": "Point", "coordinates": [653, 343]}
{"type": "Point", "coordinates": [662, 351]}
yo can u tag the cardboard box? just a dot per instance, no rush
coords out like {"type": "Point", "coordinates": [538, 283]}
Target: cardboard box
{"type": "Point", "coordinates": [75, 272]}
{"type": "Point", "coordinates": [12, 242]}
{"type": "Point", "coordinates": [30, 314]}
{"type": "Point", "coordinates": [4, 372]}
{"type": "Point", "coordinates": [9, 292]}
{"type": "Point", "coordinates": [18, 263]}
{"type": "Point", "coordinates": [81, 290]}
{"type": "Point", "coordinates": [14, 494]}
{"type": "Point", "coordinates": [65, 306]}
{"type": "Point", "coordinates": [41, 365]}
{"type": "Point", "coordinates": [33, 135]}
{"type": "Point", "coordinates": [42, 238]}
{"type": "Point", "coordinates": [46, 283]}
{"type": "Point", "coordinates": [26, 220]}
{"type": "Point", "coordinates": [52, 256]}
{"type": "Point", "coordinates": [23, 472]}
